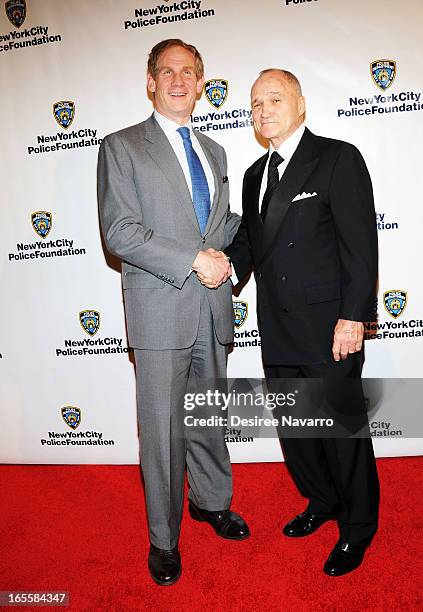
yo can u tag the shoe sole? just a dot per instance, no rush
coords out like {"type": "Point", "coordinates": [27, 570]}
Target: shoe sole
{"type": "Point", "coordinates": [199, 519]}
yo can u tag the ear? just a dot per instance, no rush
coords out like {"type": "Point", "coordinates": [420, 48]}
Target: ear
{"type": "Point", "coordinates": [200, 85]}
{"type": "Point", "coordinates": [301, 105]}
{"type": "Point", "coordinates": [151, 83]}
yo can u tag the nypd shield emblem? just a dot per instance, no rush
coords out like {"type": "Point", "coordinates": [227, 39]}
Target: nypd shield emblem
{"type": "Point", "coordinates": [41, 222]}
{"type": "Point", "coordinates": [383, 72]}
{"type": "Point", "coordinates": [64, 112]}
{"type": "Point", "coordinates": [240, 313]}
{"type": "Point", "coordinates": [16, 12]}
{"type": "Point", "coordinates": [216, 91]}
{"type": "Point", "coordinates": [395, 302]}
{"type": "Point", "coordinates": [90, 321]}
{"type": "Point", "coordinates": [71, 416]}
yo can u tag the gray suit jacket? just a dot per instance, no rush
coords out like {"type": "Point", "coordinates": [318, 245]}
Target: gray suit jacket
{"type": "Point", "coordinates": [148, 221]}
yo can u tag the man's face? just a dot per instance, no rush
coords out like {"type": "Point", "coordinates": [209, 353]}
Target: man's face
{"type": "Point", "coordinates": [176, 84]}
{"type": "Point", "coordinates": [277, 107]}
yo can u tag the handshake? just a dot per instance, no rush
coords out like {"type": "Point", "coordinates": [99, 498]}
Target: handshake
{"type": "Point", "coordinates": [212, 267]}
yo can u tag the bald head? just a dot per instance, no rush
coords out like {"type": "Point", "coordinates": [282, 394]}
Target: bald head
{"type": "Point", "coordinates": [289, 77]}
{"type": "Point", "coordinates": [278, 105]}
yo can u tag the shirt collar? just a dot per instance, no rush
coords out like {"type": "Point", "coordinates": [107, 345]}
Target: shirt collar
{"type": "Point", "coordinates": [168, 126]}
{"type": "Point", "coordinates": [287, 148]}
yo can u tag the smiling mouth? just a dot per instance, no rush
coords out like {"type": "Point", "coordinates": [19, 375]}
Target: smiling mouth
{"type": "Point", "coordinates": [177, 94]}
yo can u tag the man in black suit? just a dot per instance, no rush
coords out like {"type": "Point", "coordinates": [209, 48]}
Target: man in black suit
{"type": "Point", "coordinates": [309, 231]}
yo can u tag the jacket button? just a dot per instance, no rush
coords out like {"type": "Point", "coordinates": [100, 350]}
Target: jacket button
{"type": "Point", "coordinates": [283, 278]}
{"type": "Point", "coordinates": [291, 245]}
{"type": "Point", "coordinates": [285, 309]}
{"type": "Point", "coordinates": [203, 240]}
{"type": "Point", "coordinates": [259, 275]}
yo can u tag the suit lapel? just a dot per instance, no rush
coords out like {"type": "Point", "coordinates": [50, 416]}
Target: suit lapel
{"type": "Point", "coordinates": [297, 172]}
{"type": "Point", "coordinates": [162, 153]}
{"type": "Point", "coordinates": [251, 198]}
{"type": "Point", "coordinates": [255, 178]}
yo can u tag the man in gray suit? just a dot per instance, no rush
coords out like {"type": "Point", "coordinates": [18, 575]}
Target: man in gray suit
{"type": "Point", "coordinates": [164, 201]}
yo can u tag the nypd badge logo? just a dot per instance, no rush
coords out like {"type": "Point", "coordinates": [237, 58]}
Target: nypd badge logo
{"type": "Point", "coordinates": [71, 416]}
{"type": "Point", "coordinates": [41, 222]}
{"type": "Point", "coordinates": [216, 91]}
{"type": "Point", "coordinates": [395, 302]}
{"type": "Point", "coordinates": [90, 321]}
{"type": "Point", "coordinates": [383, 72]}
{"type": "Point", "coordinates": [16, 12]}
{"type": "Point", "coordinates": [240, 313]}
{"type": "Point", "coordinates": [64, 112]}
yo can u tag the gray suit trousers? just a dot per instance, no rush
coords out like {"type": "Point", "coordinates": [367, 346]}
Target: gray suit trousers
{"type": "Point", "coordinates": [167, 445]}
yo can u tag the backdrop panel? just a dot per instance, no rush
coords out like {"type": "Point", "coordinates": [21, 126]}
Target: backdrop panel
{"type": "Point", "coordinates": [73, 72]}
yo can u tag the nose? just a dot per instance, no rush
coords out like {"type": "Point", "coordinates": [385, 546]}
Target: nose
{"type": "Point", "coordinates": [177, 78]}
{"type": "Point", "coordinates": [266, 110]}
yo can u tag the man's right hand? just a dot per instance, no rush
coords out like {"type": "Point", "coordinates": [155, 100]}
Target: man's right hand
{"type": "Point", "coordinates": [213, 268]}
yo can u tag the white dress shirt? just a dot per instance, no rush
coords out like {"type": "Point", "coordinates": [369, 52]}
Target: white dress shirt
{"type": "Point", "coordinates": [175, 139]}
{"type": "Point", "coordinates": [286, 150]}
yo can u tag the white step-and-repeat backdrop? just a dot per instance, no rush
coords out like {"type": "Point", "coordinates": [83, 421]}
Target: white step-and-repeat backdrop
{"type": "Point", "coordinates": [72, 72]}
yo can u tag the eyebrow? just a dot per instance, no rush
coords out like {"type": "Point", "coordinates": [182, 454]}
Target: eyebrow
{"type": "Point", "coordinates": [267, 92]}
{"type": "Point", "coordinates": [183, 68]}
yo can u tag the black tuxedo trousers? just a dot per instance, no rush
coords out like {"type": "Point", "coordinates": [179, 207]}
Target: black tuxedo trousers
{"type": "Point", "coordinates": [338, 476]}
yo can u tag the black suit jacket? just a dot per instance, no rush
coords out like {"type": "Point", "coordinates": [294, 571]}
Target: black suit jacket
{"type": "Point", "coordinates": [315, 259]}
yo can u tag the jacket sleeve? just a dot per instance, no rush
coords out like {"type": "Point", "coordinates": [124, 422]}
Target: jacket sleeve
{"type": "Point", "coordinates": [121, 220]}
{"type": "Point", "coordinates": [351, 202]}
{"type": "Point", "coordinates": [239, 250]}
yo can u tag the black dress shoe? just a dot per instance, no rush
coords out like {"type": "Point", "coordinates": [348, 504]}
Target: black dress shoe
{"type": "Point", "coordinates": [344, 558]}
{"type": "Point", "coordinates": [164, 565]}
{"type": "Point", "coordinates": [305, 524]}
{"type": "Point", "coordinates": [226, 524]}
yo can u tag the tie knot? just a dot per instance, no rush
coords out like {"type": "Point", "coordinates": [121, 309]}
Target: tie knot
{"type": "Point", "coordinates": [275, 160]}
{"type": "Point", "coordinates": [184, 132]}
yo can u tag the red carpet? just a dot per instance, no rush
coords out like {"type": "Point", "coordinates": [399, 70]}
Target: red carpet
{"type": "Point", "coordinates": [83, 529]}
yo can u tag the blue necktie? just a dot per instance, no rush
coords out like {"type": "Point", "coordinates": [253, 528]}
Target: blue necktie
{"type": "Point", "coordinates": [200, 188]}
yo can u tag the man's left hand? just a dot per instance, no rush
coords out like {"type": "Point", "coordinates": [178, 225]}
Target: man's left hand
{"type": "Point", "coordinates": [347, 338]}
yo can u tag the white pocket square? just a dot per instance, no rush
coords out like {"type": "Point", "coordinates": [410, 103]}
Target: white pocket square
{"type": "Point", "coordinates": [303, 196]}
